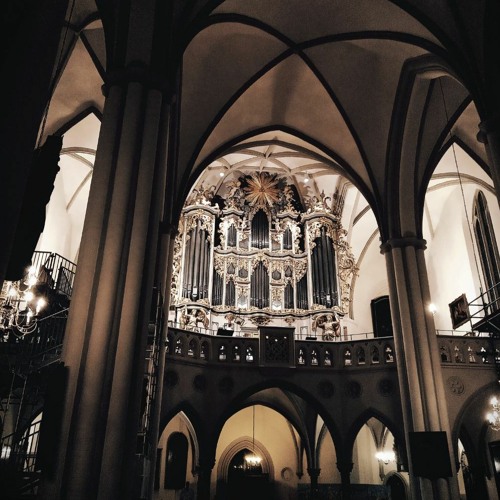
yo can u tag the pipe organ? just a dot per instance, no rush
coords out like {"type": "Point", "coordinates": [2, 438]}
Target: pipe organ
{"type": "Point", "coordinates": [258, 254]}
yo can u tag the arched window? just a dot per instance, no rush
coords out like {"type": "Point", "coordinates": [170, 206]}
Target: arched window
{"type": "Point", "coordinates": [249, 355]}
{"type": "Point", "coordinates": [175, 468]}
{"type": "Point", "coordinates": [327, 358]}
{"type": "Point", "coordinates": [488, 250]}
{"type": "Point", "coordinates": [360, 354]}
{"type": "Point", "coordinates": [179, 347]}
{"type": "Point", "coordinates": [222, 353]}
{"type": "Point", "coordinates": [236, 353]}
{"type": "Point", "coordinates": [192, 348]}
{"type": "Point", "coordinates": [301, 358]}
{"type": "Point", "coordinates": [347, 357]}
{"type": "Point", "coordinates": [314, 357]}
{"type": "Point", "coordinates": [204, 351]}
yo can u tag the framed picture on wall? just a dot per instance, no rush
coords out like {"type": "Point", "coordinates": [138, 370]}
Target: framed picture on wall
{"type": "Point", "coordinates": [459, 311]}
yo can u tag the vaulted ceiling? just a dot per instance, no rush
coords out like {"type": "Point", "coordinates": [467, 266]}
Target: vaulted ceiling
{"type": "Point", "coordinates": [373, 90]}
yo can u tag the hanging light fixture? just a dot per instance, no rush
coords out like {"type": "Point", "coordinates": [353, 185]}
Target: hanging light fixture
{"type": "Point", "coordinates": [251, 459]}
{"type": "Point", "coordinates": [21, 305]}
{"type": "Point", "coordinates": [385, 456]}
{"type": "Point", "coordinates": [493, 416]}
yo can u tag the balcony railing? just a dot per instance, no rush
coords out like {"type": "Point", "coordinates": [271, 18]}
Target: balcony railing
{"type": "Point", "coordinates": [198, 347]}
{"type": "Point", "coordinates": [484, 311]}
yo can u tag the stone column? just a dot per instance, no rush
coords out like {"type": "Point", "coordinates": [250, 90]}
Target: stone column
{"type": "Point", "coordinates": [489, 135]}
{"type": "Point", "coordinates": [419, 367]}
{"type": "Point", "coordinates": [314, 474]}
{"type": "Point", "coordinates": [345, 469]}
{"type": "Point", "coordinates": [205, 467]}
{"type": "Point", "coordinates": [107, 326]}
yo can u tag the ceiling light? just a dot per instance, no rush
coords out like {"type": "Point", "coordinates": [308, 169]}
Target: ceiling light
{"type": "Point", "coordinates": [494, 416]}
{"type": "Point", "coordinates": [385, 456]}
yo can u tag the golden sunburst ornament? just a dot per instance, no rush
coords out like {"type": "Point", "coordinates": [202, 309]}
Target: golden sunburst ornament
{"type": "Point", "coordinates": [262, 189]}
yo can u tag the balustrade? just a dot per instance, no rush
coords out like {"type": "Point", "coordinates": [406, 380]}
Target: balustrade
{"type": "Point", "coordinates": [207, 348]}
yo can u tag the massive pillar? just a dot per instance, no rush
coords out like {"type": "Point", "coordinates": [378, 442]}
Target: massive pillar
{"type": "Point", "coordinates": [419, 369]}
{"type": "Point", "coordinates": [205, 467]}
{"type": "Point", "coordinates": [106, 336]}
{"type": "Point", "coordinates": [345, 469]}
{"type": "Point", "coordinates": [314, 474]}
{"type": "Point", "coordinates": [107, 327]}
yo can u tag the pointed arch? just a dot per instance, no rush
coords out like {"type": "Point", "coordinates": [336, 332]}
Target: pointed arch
{"type": "Point", "coordinates": [245, 442]}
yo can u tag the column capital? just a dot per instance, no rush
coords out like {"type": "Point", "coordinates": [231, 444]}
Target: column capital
{"type": "Point", "coordinates": [313, 471]}
{"type": "Point", "coordinates": [408, 241]}
{"type": "Point", "coordinates": [205, 464]}
{"type": "Point", "coordinates": [345, 467]}
{"type": "Point", "coordinates": [488, 126]}
{"type": "Point", "coordinates": [139, 73]}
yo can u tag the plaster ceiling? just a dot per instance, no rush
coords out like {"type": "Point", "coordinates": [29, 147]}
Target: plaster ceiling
{"type": "Point", "coordinates": [308, 90]}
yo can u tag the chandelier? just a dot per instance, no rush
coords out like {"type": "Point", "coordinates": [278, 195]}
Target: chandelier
{"type": "Point", "coordinates": [385, 456]}
{"type": "Point", "coordinates": [21, 303]}
{"type": "Point", "coordinates": [493, 416]}
{"type": "Point", "coordinates": [251, 459]}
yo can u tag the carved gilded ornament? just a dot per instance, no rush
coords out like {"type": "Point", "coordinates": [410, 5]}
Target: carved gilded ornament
{"type": "Point", "coordinates": [260, 257]}
{"type": "Point", "coordinates": [313, 229]}
{"type": "Point", "coordinates": [199, 219]}
{"type": "Point", "coordinates": [176, 268]}
{"type": "Point", "coordinates": [277, 295]}
{"type": "Point", "coordinates": [260, 320]}
{"type": "Point", "coordinates": [219, 264]}
{"type": "Point", "coordinates": [318, 203]}
{"type": "Point", "coordinates": [262, 189]}
{"type": "Point", "coordinates": [201, 196]}
{"type": "Point", "coordinates": [300, 268]}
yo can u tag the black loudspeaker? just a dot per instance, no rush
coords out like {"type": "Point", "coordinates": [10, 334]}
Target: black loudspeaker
{"type": "Point", "coordinates": [429, 454]}
{"type": "Point", "coordinates": [50, 428]}
{"type": "Point", "coordinates": [224, 332]}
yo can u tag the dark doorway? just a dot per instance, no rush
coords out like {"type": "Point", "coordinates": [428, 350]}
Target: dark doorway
{"type": "Point", "coordinates": [381, 316]}
{"type": "Point", "coordinates": [246, 482]}
{"type": "Point", "coordinates": [176, 464]}
{"type": "Point", "coordinates": [396, 487]}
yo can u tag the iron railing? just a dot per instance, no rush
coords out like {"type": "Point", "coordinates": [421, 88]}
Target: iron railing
{"type": "Point", "coordinates": [485, 305]}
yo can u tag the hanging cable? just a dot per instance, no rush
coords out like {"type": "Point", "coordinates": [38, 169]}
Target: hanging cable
{"type": "Point", "coordinates": [253, 430]}
{"type": "Point", "coordinates": [469, 225]}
